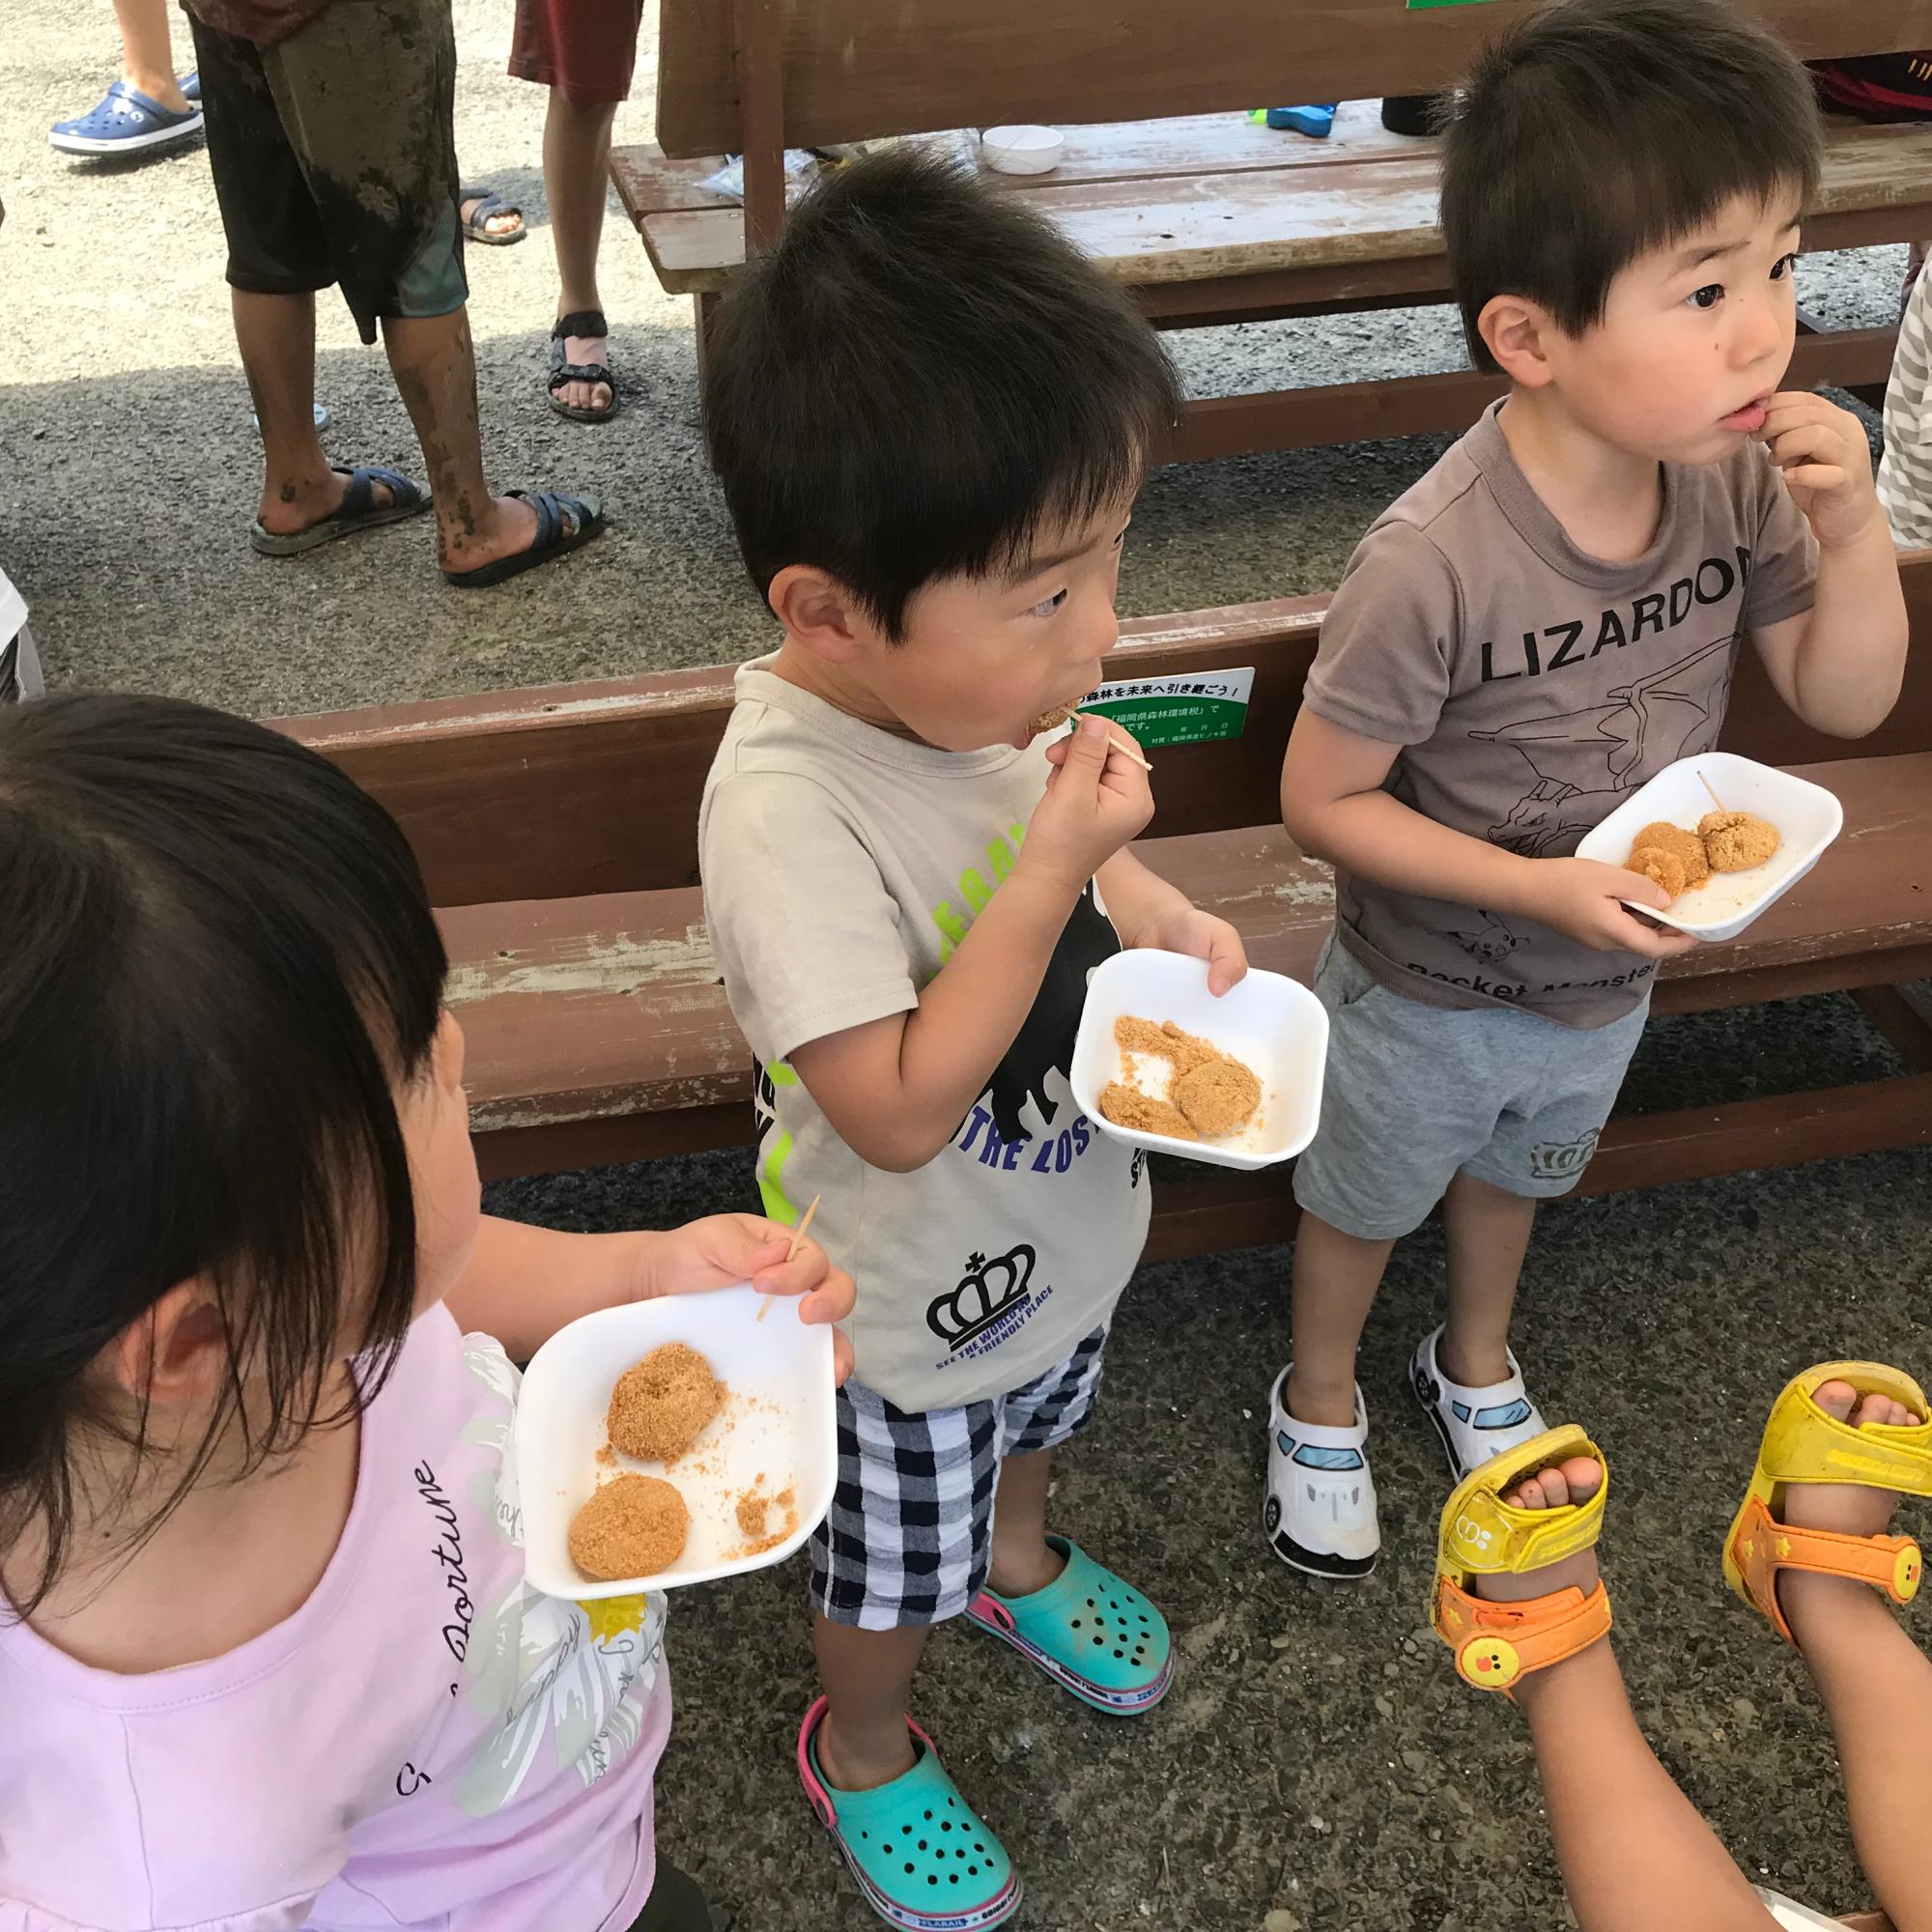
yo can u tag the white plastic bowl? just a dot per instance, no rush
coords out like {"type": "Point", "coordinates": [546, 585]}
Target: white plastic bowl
{"type": "Point", "coordinates": [1022, 150]}
{"type": "Point", "coordinates": [1807, 817]}
{"type": "Point", "coordinates": [779, 1423]}
{"type": "Point", "coordinates": [1273, 1023]}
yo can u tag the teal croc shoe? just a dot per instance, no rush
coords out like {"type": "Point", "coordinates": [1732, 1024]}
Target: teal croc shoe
{"type": "Point", "coordinates": [925, 1861]}
{"type": "Point", "coordinates": [1092, 1633]}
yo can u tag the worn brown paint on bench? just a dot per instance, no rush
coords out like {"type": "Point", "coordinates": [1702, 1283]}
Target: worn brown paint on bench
{"type": "Point", "coordinates": [580, 1010]}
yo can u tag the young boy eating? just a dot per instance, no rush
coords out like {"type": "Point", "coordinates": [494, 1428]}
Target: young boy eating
{"type": "Point", "coordinates": [1522, 640]}
{"type": "Point", "coordinates": [931, 418]}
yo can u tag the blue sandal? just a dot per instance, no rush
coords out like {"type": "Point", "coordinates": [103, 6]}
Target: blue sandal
{"type": "Point", "coordinates": [125, 120]}
{"type": "Point", "coordinates": [924, 1858]}
{"type": "Point", "coordinates": [1092, 1633]}
{"type": "Point", "coordinates": [490, 207]}
{"type": "Point", "coordinates": [358, 511]}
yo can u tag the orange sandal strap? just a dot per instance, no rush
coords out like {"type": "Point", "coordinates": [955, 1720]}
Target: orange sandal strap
{"type": "Point", "coordinates": [1497, 1643]}
{"type": "Point", "coordinates": [1762, 1546]}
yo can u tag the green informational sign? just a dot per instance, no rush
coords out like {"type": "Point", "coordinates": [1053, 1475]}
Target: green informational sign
{"type": "Point", "coordinates": [1194, 710]}
{"type": "Point", "coordinates": [1414, 4]}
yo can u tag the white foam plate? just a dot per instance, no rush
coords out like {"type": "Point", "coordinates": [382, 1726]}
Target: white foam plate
{"type": "Point", "coordinates": [778, 1422]}
{"type": "Point", "coordinates": [1022, 150]}
{"type": "Point", "coordinates": [1273, 1023]}
{"type": "Point", "coordinates": [1792, 1916]}
{"type": "Point", "coordinates": [1807, 817]}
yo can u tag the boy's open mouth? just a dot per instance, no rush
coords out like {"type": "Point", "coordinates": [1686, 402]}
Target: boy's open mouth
{"type": "Point", "coordinates": [1750, 419]}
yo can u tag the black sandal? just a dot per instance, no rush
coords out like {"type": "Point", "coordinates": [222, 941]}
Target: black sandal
{"type": "Point", "coordinates": [566, 521]}
{"type": "Point", "coordinates": [584, 322]}
{"type": "Point", "coordinates": [490, 204]}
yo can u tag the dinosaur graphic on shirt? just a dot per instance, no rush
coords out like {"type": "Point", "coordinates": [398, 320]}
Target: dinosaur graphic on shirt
{"type": "Point", "coordinates": [1585, 763]}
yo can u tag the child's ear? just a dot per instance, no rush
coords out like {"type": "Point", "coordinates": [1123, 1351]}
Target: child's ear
{"type": "Point", "coordinates": [177, 1352]}
{"type": "Point", "coordinates": [1516, 333]}
{"type": "Point", "coordinates": [819, 612]}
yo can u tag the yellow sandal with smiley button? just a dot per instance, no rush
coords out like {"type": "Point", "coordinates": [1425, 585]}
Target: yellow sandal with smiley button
{"type": "Point", "coordinates": [1496, 1643]}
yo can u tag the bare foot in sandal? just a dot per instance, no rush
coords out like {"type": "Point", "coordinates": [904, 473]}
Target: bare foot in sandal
{"type": "Point", "coordinates": [296, 503]}
{"type": "Point", "coordinates": [1573, 1481]}
{"type": "Point", "coordinates": [594, 399]}
{"type": "Point", "coordinates": [1846, 1509]}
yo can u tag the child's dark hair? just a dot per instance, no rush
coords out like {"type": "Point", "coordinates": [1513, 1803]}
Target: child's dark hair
{"type": "Point", "coordinates": [922, 377]}
{"type": "Point", "coordinates": [217, 961]}
{"type": "Point", "coordinates": [1598, 130]}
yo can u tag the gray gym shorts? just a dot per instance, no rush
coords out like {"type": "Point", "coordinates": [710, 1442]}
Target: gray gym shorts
{"type": "Point", "coordinates": [1416, 1094]}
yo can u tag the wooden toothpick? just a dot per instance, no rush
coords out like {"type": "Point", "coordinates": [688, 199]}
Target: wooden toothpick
{"type": "Point", "coordinates": [791, 1253]}
{"type": "Point", "coordinates": [1712, 789]}
{"type": "Point", "coordinates": [1125, 750]}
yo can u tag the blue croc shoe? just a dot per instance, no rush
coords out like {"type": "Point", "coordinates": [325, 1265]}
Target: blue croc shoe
{"type": "Point", "coordinates": [1092, 1633]}
{"type": "Point", "coordinates": [126, 122]}
{"type": "Point", "coordinates": [925, 1861]}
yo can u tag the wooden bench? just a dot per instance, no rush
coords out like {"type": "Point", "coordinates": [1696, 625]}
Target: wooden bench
{"type": "Point", "coordinates": [1208, 219]}
{"type": "Point", "coordinates": [557, 832]}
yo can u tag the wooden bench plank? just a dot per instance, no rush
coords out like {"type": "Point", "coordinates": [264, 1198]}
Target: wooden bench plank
{"type": "Point", "coordinates": [1205, 225]}
{"type": "Point", "coordinates": [852, 68]}
{"type": "Point", "coordinates": [576, 790]}
{"type": "Point", "coordinates": [1331, 412]}
{"type": "Point", "coordinates": [582, 1009]}
{"type": "Point", "coordinates": [650, 181]}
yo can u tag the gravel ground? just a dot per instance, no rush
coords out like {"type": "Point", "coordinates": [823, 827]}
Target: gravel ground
{"type": "Point", "coordinates": [1316, 1765]}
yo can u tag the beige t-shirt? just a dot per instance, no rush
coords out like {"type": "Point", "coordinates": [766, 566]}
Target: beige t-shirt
{"type": "Point", "coordinates": [1533, 688]}
{"type": "Point", "coordinates": [841, 866]}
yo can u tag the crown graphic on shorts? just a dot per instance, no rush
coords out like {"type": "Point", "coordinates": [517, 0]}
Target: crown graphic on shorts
{"type": "Point", "coordinates": [987, 1290]}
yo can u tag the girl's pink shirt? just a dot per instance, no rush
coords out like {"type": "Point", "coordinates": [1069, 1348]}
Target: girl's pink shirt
{"type": "Point", "coordinates": [426, 1741]}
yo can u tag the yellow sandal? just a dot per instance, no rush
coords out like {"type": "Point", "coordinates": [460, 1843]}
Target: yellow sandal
{"type": "Point", "coordinates": [1482, 1536]}
{"type": "Point", "coordinates": [1802, 1444]}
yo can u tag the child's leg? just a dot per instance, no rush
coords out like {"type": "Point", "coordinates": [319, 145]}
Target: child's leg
{"type": "Point", "coordinates": [867, 1675]}
{"type": "Point", "coordinates": [1635, 1855]}
{"type": "Point", "coordinates": [1336, 1276]}
{"type": "Point", "coordinates": [1875, 1681]}
{"type": "Point", "coordinates": [1487, 1230]}
{"type": "Point", "coordinates": [1023, 1560]}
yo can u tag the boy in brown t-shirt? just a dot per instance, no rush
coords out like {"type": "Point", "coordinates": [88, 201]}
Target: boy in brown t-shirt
{"type": "Point", "coordinates": [1535, 630]}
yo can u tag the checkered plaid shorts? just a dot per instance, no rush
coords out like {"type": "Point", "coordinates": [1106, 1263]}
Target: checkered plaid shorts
{"type": "Point", "coordinates": [910, 1532]}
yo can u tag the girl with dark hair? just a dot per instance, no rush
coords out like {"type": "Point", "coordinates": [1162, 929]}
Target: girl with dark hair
{"type": "Point", "coordinates": [267, 1658]}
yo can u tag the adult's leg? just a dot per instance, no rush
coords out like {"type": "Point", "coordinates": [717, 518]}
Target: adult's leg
{"type": "Point", "coordinates": [275, 335]}
{"type": "Point", "coordinates": [434, 366]}
{"type": "Point", "coordinates": [577, 159]}
{"type": "Point", "coordinates": [1635, 1855]}
{"type": "Point", "coordinates": [368, 93]}
{"type": "Point", "coordinates": [147, 54]}
{"type": "Point", "coordinates": [278, 257]}
{"type": "Point", "coordinates": [1486, 1230]}
{"type": "Point", "coordinates": [1875, 1681]}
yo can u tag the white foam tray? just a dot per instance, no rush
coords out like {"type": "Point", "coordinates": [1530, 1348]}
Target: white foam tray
{"type": "Point", "coordinates": [1807, 817]}
{"type": "Point", "coordinates": [1273, 1023]}
{"type": "Point", "coordinates": [779, 1423]}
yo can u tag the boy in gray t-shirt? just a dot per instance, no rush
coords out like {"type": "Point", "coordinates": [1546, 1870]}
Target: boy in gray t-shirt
{"type": "Point", "coordinates": [930, 417]}
{"type": "Point", "coordinates": [1534, 630]}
